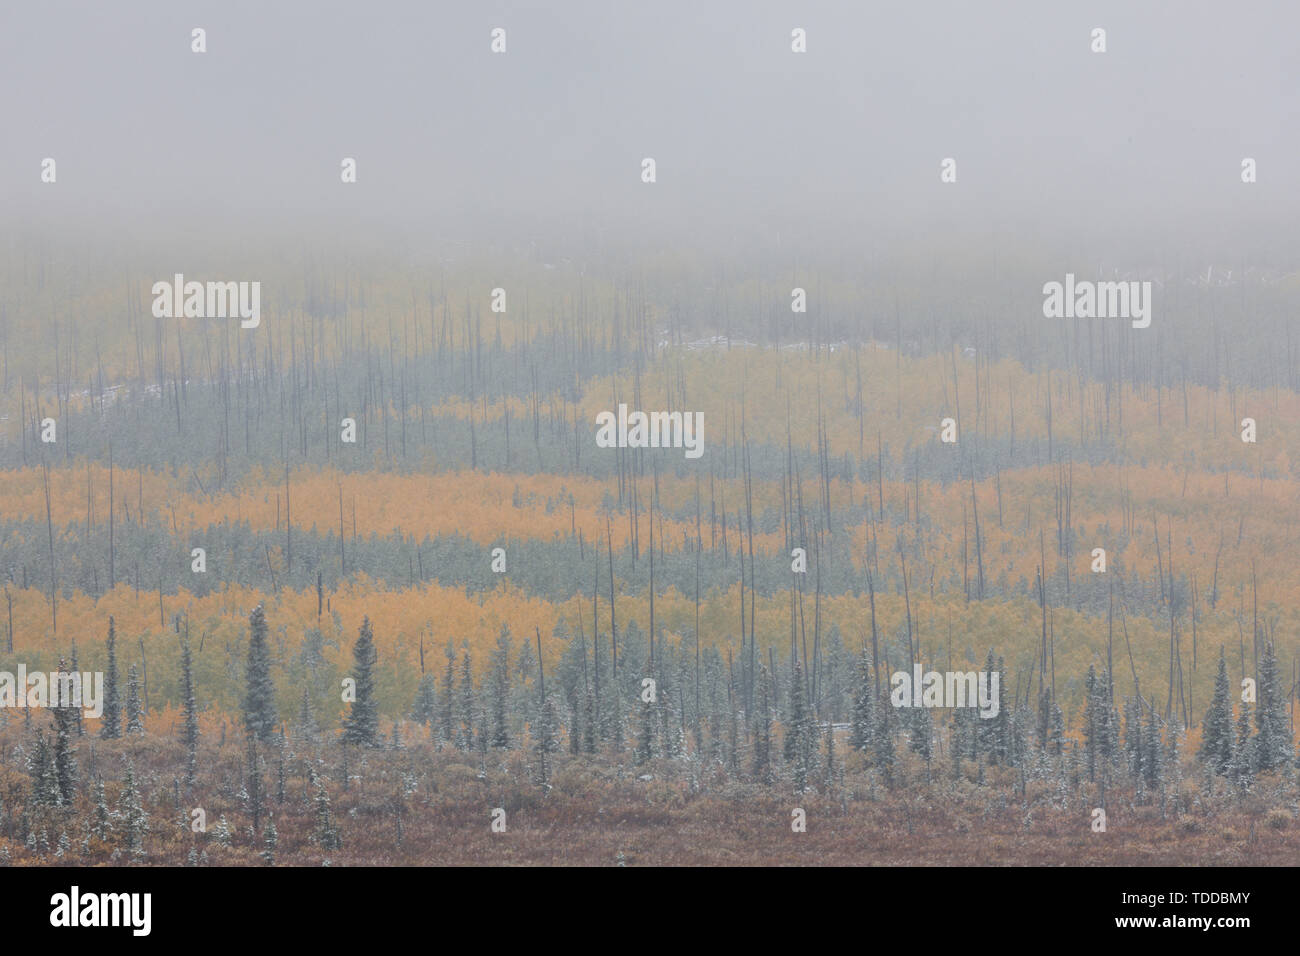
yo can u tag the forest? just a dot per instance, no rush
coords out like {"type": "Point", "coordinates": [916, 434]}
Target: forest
{"type": "Point", "coordinates": [365, 587]}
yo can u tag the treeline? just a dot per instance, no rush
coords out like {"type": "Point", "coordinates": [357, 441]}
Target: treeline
{"type": "Point", "coordinates": [652, 710]}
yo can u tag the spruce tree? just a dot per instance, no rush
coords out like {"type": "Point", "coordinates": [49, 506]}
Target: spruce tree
{"type": "Point", "coordinates": [645, 738]}
{"type": "Point", "coordinates": [306, 719]}
{"type": "Point", "coordinates": [111, 718]}
{"type": "Point", "coordinates": [135, 822]}
{"type": "Point", "coordinates": [40, 766]}
{"type": "Point", "coordinates": [259, 690]}
{"type": "Point", "coordinates": [65, 762]}
{"type": "Point", "coordinates": [1056, 732]}
{"type": "Point", "coordinates": [361, 725]}
{"type": "Point", "coordinates": [864, 699]}
{"type": "Point", "coordinates": [191, 711]}
{"type": "Point", "coordinates": [1152, 750]}
{"type": "Point", "coordinates": [1133, 735]}
{"type": "Point", "coordinates": [102, 819]}
{"type": "Point", "coordinates": [500, 670]}
{"type": "Point", "coordinates": [1273, 741]}
{"type": "Point", "coordinates": [884, 757]}
{"type": "Point", "coordinates": [831, 768]}
{"type": "Point", "coordinates": [281, 767]}
{"type": "Point", "coordinates": [81, 730]}
{"type": "Point", "coordinates": [920, 732]}
{"type": "Point", "coordinates": [447, 714]}
{"type": "Point", "coordinates": [1216, 733]}
{"type": "Point", "coordinates": [482, 736]}
{"type": "Point", "coordinates": [134, 715]}
{"type": "Point", "coordinates": [800, 738]}
{"type": "Point", "coordinates": [762, 767]}
{"type": "Point", "coordinates": [1241, 769]}
{"type": "Point", "coordinates": [272, 841]}
{"type": "Point", "coordinates": [425, 710]}
{"type": "Point", "coordinates": [465, 733]}
{"type": "Point", "coordinates": [992, 734]}
{"type": "Point", "coordinates": [1109, 737]}
{"type": "Point", "coordinates": [713, 667]}
{"type": "Point", "coordinates": [1093, 707]}
{"type": "Point", "coordinates": [325, 833]}
{"type": "Point", "coordinates": [575, 722]}
{"type": "Point", "coordinates": [546, 744]}
{"type": "Point", "coordinates": [1044, 727]}
{"type": "Point", "coordinates": [1173, 765]}
{"type": "Point", "coordinates": [589, 728]}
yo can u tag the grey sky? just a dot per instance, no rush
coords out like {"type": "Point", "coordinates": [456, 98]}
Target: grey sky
{"type": "Point", "coordinates": [750, 139]}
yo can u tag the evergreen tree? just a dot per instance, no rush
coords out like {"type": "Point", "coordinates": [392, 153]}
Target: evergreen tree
{"type": "Point", "coordinates": [992, 734]}
{"type": "Point", "coordinates": [1095, 705]}
{"type": "Point", "coordinates": [801, 735]}
{"type": "Point", "coordinates": [500, 669]}
{"type": "Point", "coordinates": [281, 770]}
{"type": "Point", "coordinates": [325, 834]}
{"type": "Point", "coordinates": [1109, 737]}
{"type": "Point", "coordinates": [465, 733]}
{"type": "Point", "coordinates": [831, 768]}
{"type": "Point", "coordinates": [191, 711]}
{"type": "Point", "coordinates": [1172, 764]}
{"type": "Point", "coordinates": [111, 718]}
{"type": "Point", "coordinates": [575, 722]}
{"type": "Point", "coordinates": [1241, 769]}
{"type": "Point", "coordinates": [482, 735]}
{"type": "Point", "coordinates": [1133, 735]}
{"type": "Point", "coordinates": [1216, 733]}
{"type": "Point", "coordinates": [645, 738]}
{"type": "Point", "coordinates": [1044, 727]}
{"type": "Point", "coordinates": [920, 732]}
{"type": "Point", "coordinates": [864, 705]}
{"type": "Point", "coordinates": [306, 719]}
{"type": "Point", "coordinates": [45, 781]}
{"type": "Point", "coordinates": [713, 668]}
{"type": "Point", "coordinates": [590, 730]}
{"type": "Point", "coordinates": [733, 723]}
{"type": "Point", "coordinates": [1056, 732]}
{"type": "Point", "coordinates": [425, 710]}
{"type": "Point", "coordinates": [134, 716]}
{"type": "Point", "coordinates": [272, 840]}
{"type": "Point", "coordinates": [221, 832]}
{"type": "Point", "coordinates": [763, 729]}
{"type": "Point", "coordinates": [524, 701]}
{"type": "Point", "coordinates": [102, 819]}
{"type": "Point", "coordinates": [66, 713]}
{"type": "Point", "coordinates": [1273, 741]}
{"type": "Point", "coordinates": [1152, 750]}
{"type": "Point", "coordinates": [546, 744]}
{"type": "Point", "coordinates": [81, 730]}
{"type": "Point", "coordinates": [447, 714]}
{"type": "Point", "coordinates": [135, 822]}
{"type": "Point", "coordinates": [259, 690]}
{"type": "Point", "coordinates": [884, 756]}
{"type": "Point", "coordinates": [361, 725]}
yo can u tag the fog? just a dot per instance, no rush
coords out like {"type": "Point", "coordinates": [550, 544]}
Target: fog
{"type": "Point", "coordinates": [1135, 149]}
